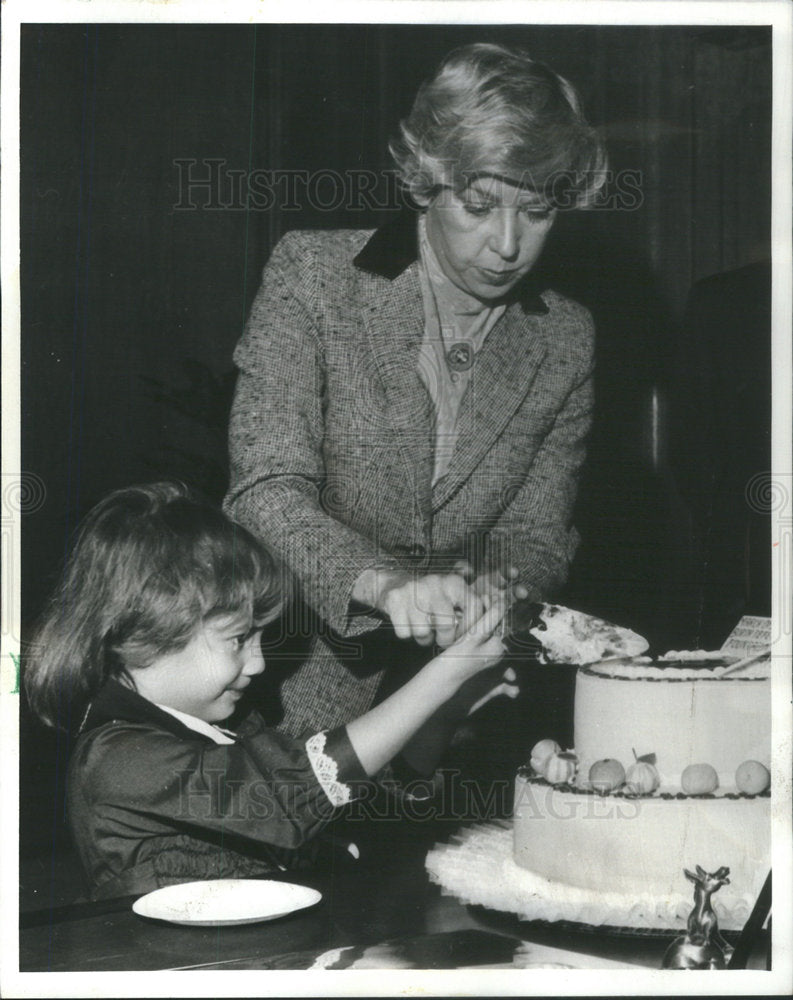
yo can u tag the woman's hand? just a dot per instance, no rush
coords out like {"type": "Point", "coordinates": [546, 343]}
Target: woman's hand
{"type": "Point", "coordinates": [437, 607]}
{"type": "Point", "coordinates": [492, 583]}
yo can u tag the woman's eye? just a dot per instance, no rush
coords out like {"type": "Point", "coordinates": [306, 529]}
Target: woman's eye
{"type": "Point", "coordinates": [476, 208]}
{"type": "Point", "coordinates": [537, 214]}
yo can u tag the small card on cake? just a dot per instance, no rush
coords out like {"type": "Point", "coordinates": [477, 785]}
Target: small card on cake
{"type": "Point", "coordinates": [752, 634]}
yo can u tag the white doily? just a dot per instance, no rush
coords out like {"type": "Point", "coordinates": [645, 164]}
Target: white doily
{"type": "Point", "coordinates": [327, 771]}
{"type": "Point", "coordinates": [477, 867]}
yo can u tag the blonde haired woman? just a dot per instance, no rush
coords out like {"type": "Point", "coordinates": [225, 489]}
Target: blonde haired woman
{"type": "Point", "coordinates": [412, 405]}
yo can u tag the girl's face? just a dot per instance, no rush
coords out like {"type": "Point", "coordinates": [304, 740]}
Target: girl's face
{"type": "Point", "coordinates": [488, 236]}
{"type": "Point", "coordinates": [206, 678]}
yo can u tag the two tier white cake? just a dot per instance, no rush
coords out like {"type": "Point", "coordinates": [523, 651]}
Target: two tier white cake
{"type": "Point", "coordinates": [575, 839]}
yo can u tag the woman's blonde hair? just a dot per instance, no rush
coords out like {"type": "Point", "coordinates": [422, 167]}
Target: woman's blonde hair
{"type": "Point", "coordinates": [490, 110]}
{"type": "Point", "coordinates": [149, 565]}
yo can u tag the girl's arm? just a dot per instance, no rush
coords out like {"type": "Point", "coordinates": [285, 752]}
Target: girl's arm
{"type": "Point", "coordinates": [380, 734]}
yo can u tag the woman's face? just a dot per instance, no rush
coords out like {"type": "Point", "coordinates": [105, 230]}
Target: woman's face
{"type": "Point", "coordinates": [488, 236]}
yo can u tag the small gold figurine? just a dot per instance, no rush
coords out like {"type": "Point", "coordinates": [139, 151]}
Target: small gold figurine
{"type": "Point", "coordinates": [702, 946]}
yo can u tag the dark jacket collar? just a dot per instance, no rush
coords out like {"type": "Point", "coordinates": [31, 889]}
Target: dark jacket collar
{"type": "Point", "coordinates": [394, 247]}
{"type": "Point", "coordinates": [115, 702]}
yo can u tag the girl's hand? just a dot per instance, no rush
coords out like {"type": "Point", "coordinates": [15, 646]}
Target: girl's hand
{"type": "Point", "coordinates": [506, 686]}
{"type": "Point", "coordinates": [479, 647]}
{"type": "Point", "coordinates": [476, 656]}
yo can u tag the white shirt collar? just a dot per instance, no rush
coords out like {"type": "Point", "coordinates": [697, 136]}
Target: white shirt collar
{"type": "Point", "coordinates": [217, 735]}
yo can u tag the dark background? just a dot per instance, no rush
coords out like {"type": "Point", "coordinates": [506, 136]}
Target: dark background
{"type": "Point", "coordinates": [132, 303]}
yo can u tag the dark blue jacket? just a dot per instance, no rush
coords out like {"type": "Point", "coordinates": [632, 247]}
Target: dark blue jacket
{"type": "Point", "coordinates": [153, 803]}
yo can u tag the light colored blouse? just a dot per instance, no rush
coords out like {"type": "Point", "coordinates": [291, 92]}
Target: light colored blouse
{"type": "Point", "coordinates": [453, 320]}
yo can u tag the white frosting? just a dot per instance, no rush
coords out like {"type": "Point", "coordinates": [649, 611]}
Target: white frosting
{"type": "Point", "coordinates": [644, 668]}
{"type": "Point", "coordinates": [696, 718]}
{"type": "Point", "coordinates": [477, 867]}
{"type": "Point", "coordinates": [573, 637]}
{"type": "Point", "coordinates": [693, 654]}
{"type": "Point", "coordinates": [630, 849]}
{"type": "Point", "coordinates": [635, 847]}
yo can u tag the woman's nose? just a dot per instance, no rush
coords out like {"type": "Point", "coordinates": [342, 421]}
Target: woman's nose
{"type": "Point", "coordinates": [504, 237]}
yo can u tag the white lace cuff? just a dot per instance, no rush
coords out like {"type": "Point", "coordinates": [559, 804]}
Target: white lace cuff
{"type": "Point", "coordinates": [326, 769]}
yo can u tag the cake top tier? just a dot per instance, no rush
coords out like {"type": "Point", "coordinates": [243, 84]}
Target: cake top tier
{"type": "Point", "coordinates": [685, 665]}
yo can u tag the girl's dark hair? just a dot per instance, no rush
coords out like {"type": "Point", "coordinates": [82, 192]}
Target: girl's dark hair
{"type": "Point", "coordinates": [149, 564]}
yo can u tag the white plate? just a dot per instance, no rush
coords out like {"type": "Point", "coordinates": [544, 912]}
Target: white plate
{"type": "Point", "coordinates": [225, 901]}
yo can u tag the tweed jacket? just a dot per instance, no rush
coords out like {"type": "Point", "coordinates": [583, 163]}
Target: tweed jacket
{"type": "Point", "coordinates": [153, 803]}
{"type": "Point", "coordinates": [331, 443]}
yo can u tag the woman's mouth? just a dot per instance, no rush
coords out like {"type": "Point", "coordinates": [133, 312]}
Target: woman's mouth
{"type": "Point", "coordinates": [498, 277]}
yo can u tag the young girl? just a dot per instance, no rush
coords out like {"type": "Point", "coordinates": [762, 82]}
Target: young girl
{"type": "Point", "coordinates": [151, 640]}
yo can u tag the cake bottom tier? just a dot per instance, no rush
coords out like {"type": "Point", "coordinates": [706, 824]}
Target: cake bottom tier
{"type": "Point", "coordinates": [477, 867]}
{"type": "Point", "coordinates": [613, 847]}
